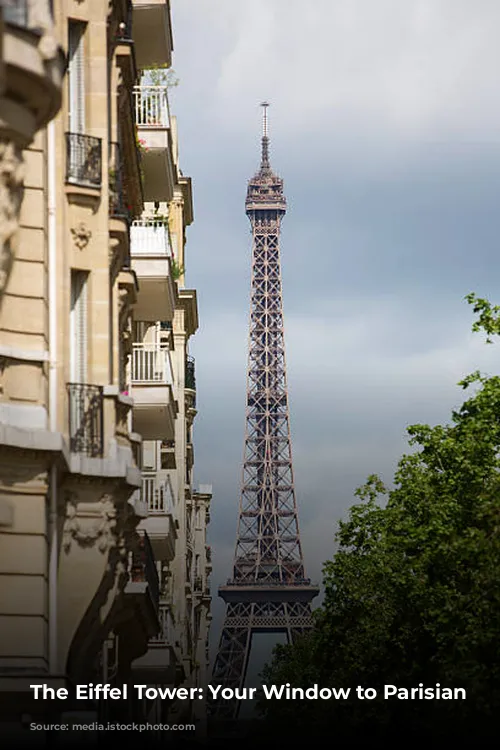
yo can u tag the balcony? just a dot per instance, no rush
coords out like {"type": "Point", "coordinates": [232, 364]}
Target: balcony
{"type": "Point", "coordinates": [143, 588]}
{"type": "Point", "coordinates": [160, 523]}
{"type": "Point", "coordinates": [86, 428]}
{"type": "Point", "coordinates": [152, 33]}
{"type": "Point", "coordinates": [190, 383]}
{"type": "Point", "coordinates": [151, 364]}
{"type": "Point", "coordinates": [151, 253]}
{"type": "Point", "coordinates": [189, 303]}
{"type": "Point", "coordinates": [151, 388]}
{"type": "Point", "coordinates": [151, 239]}
{"type": "Point", "coordinates": [83, 160]}
{"type": "Point", "coordinates": [152, 118]}
{"type": "Point", "coordinates": [161, 664]}
{"type": "Point", "coordinates": [33, 69]}
{"type": "Point", "coordinates": [155, 495]}
{"type": "Point", "coordinates": [190, 379]}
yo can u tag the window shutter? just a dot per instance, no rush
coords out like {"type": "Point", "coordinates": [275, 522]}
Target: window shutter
{"type": "Point", "coordinates": [76, 76]}
{"type": "Point", "coordinates": [78, 327]}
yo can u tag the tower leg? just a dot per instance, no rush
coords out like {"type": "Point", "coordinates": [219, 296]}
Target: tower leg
{"type": "Point", "coordinates": [241, 621]}
{"type": "Point", "coordinates": [231, 663]}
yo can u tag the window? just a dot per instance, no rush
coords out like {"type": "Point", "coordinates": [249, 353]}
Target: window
{"type": "Point", "coordinates": [83, 152]}
{"type": "Point", "coordinates": [78, 327]}
{"type": "Point", "coordinates": [76, 76]}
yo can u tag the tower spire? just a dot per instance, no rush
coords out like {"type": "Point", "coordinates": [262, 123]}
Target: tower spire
{"type": "Point", "coordinates": [264, 162]}
{"type": "Point", "coordinates": [268, 590]}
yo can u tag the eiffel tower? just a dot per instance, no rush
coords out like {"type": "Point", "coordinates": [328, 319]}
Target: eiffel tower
{"type": "Point", "coordinates": [268, 591]}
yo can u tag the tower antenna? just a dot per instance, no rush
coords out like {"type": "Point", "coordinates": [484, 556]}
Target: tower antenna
{"type": "Point", "coordinates": [264, 161]}
{"type": "Point", "coordinates": [264, 106]}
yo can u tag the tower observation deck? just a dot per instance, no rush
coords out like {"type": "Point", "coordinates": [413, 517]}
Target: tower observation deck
{"type": "Point", "coordinates": [268, 590]}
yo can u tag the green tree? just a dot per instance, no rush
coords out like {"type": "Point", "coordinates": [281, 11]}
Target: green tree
{"type": "Point", "coordinates": [160, 75]}
{"type": "Point", "coordinates": [413, 593]}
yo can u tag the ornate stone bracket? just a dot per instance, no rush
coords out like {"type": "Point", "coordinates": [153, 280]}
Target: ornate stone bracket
{"type": "Point", "coordinates": [124, 304]}
{"type": "Point", "coordinates": [90, 524]}
{"type": "Point", "coordinates": [11, 196]}
{"type": "Point", "coordinates": [126, 298]}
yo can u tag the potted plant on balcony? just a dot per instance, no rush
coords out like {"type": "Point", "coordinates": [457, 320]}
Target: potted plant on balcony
{"type": "Point", "coordinates": [155, 82]}
{"type": "Point", "coordinates": [140, 143]}
{"type": "Point", "coordinates": [160, 219]}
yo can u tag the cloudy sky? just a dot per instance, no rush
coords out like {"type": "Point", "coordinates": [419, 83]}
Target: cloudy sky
{"type": "Point", "coordinates": [385, 125]}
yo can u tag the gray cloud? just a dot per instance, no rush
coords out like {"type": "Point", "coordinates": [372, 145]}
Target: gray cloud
{"type": "Point", "coordinates": [413, 69]}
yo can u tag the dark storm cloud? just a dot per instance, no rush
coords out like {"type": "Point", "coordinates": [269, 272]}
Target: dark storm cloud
{"type": "Point", "coordinates": [385, 125]}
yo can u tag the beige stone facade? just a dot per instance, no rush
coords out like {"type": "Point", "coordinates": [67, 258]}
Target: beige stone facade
{"type": "Point", "coordinates": [103, 559]}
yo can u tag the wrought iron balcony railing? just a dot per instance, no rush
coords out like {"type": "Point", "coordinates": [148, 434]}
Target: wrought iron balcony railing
{"type": "Point", "coordinates": [151, 107]}
{"type": "Point", "coordinates": [190, 379]}
{"type": "Point", "coordinates": [83, 160]}
{"type": "Point", "coordinates": [151, 365]}
{"type": "Point", "coordinates": [150, 237]}
{"type": "Point", "coordinates": [143, 567]}
{"type": "Point", "coordinates": [156, 495]}
{"type": "Point", "coordinates": [117, 205]}
{"type": "Point", "coordinates": [86, 417]}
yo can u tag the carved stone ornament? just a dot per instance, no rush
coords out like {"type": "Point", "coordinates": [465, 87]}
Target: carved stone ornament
{"type": "Point", "coordinates": [11, 196]}
{"type": "Point", "coordinates": [90, 524]}
{"type": "Point", "coordinates": [81, 235]}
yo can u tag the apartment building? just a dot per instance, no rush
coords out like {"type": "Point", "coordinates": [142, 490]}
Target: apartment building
{"type": "Point", "coordinates": [104, 567]}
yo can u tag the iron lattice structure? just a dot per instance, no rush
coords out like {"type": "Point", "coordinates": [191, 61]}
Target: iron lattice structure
{"type": "Point", "coordinates": [268, 591]}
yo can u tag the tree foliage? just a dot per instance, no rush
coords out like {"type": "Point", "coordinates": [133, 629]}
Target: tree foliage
{"type": "Point", "coordinates": [160, 75]}
{"type": "Point", "coordinates": [413, 593]}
